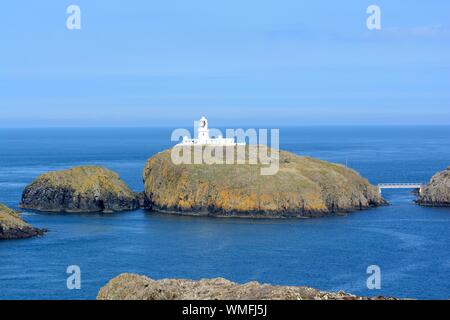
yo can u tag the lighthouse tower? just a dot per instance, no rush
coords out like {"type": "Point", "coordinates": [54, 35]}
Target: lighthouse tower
{"type": "Point", "coordinates": [203, 137]}
{"type": "Point", "coordinates": [203, 132]}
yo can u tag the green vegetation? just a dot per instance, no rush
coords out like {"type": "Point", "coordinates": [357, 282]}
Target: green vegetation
{"type": "Point", "coordinates": [85, 179]}
{"type": "Point", "coordinates": [437, 192]}
{"type": "Point", "coordinates": [303, 186]}
{"type": "Point", "coordinates": [13, 227]}
{"type": "Point", "coordinates": [10, 219]}
{"type": "Point", "coordinates": [80, 189]}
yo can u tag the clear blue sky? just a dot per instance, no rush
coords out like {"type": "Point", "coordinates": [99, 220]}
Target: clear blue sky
{"type": "Point", "coordinates": [145, 62]}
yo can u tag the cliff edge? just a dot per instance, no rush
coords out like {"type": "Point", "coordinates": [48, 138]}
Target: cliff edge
{"type": "Point", "coordinates": [136, 287]}
{"type": "Point", "coordinates": [13, 227]}
{"type": "Point", "coordinates": [437, 192]}
{"type": "Point", "coordinates": [80, 189]}
{"type": "Point", "coordinates": [302, 187]}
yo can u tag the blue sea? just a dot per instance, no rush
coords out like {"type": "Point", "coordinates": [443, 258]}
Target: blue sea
{"type": "Point", "coordinates": [409, 243]}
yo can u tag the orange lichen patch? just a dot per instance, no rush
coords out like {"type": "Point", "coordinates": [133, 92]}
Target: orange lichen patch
{"type": "Point", "coordinates": [437, 191]}
{"type": "Point", "coordinates": [302, 184]}
{"type": "Point", "coordinates": [10, 219]}
{"type": "Point", "coordinates": [80, 189]}
{"type": "Point", "coordinates": [85, 179]}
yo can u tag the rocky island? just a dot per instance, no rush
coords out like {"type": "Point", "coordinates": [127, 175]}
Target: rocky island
{"type": "Point", "coordinates": [437, 192]}
{"type": "Point", "coordinates": [302, 187]}
{"type": "Point", "coordinates": [80, 189]}
{"type": "Point", "coordinates": [13, 227]}
{"type": "Point", "coordinates": [137, 287]}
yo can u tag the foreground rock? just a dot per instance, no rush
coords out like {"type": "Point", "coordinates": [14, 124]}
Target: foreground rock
{"type": "Point", "coordinates": [303, 187]}
{"type": "Point", "coordinates": [13, 227]}
{"type": "Point", "coordinates": [81, 189]}
{"type": "Point", "coordinates": [136, 287]}
{"type": "Point", "coordinates": [437, 191]}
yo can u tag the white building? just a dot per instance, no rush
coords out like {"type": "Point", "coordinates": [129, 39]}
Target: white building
{"type": "Point", "coordinates": [203, 137]}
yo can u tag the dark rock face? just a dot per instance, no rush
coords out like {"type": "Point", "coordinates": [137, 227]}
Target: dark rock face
{"type": "Point", "coordinates": [302, 187]}
{"type": "Point", "coordinates": [143, 200]}
{"type": "Point", "coordinates": [81, 189]}
{"type": "Point", "coordinates": [20, 233]}
{"type": "Point", "coordinates": [136, 287]}
{"type": "Point", "coordinates": [437, 192]}
{"type": "Point", "coordinates": [13, 227]}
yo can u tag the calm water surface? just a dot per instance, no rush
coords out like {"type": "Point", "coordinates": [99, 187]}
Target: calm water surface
{"type": "Point", "coordinates": [410, 243]}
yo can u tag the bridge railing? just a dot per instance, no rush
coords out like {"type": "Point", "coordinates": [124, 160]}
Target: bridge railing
{"type": "Point", "coordinates": [407, 185]}
{"type": "Point", "coordinates": [400, 185]}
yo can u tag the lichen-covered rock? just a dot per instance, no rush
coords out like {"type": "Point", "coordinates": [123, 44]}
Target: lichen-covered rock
{"type": "Point", "coordinates": [303, 187]}
{"type": "Point", "coordinates": [13, 227]}
{"type": "Point", "coordinates": [80, 189]}
{"type": "Point", "coordinates": [137, 287]}
{"type": "Point", "coordinates": [437, 191]}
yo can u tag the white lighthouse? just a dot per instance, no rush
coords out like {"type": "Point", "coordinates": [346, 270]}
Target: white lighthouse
{"type": "Point", "coordinates": [203, 137]}
{"type": "Point", "coordinates": [203, 131]}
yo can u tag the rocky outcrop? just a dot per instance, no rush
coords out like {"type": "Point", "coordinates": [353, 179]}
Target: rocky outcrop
{"type": "Point", "coordinates": [302, 187]}
{"type": "Point", "coordinates": [137, 287]}
{"type": "Point", "coordinates": [13, 227]}
{"type": "Point", "coordinates": [437, 192]}
{"type": "Point", "coordinates": [80, 189]}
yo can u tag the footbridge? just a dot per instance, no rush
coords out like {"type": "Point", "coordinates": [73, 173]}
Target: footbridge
{"type": "Point", "coordinates": [418, 186]}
